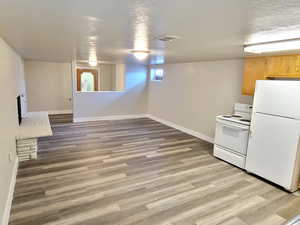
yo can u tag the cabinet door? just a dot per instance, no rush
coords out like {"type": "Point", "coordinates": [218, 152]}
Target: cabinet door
{"type": "Point", "coordinates": [297, 66]}
{"type": "Point", "coordinates": [283, 66]}
{"type": "Point", "coordinates": [292, 65]}
{"type": "Point", "coordinates": [277, 66]}
{"type": "Point", "coordinates": [255, 69]}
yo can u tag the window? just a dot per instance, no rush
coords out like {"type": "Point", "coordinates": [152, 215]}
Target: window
{"type": "Point", "coordinates": [157, 74]}
{"type": "Point", "coordinates": [87, 82]}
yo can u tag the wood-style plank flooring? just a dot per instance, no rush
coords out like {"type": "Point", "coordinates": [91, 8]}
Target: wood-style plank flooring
{"type": "Point", "coordinates": [139, 172]}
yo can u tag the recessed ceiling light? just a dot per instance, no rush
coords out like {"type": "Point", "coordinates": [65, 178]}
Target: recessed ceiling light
{"type": "Point", "coordinates": [140, 54]}
{"type": "Point", "coordinates": [275, 46]}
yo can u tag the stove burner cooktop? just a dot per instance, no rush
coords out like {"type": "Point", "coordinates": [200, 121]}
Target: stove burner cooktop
{"type": "Point", "coordinates": [232, 116]}
{"type": "Point", "coordinates": [236, 119]}
{"type": "Point", "coordinates": [245, 120]}
{"type": "Point", "coordinates": [236, 116]}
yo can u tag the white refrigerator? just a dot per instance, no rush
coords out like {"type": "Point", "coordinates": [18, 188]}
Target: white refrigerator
{"type": "Point", "coordinates": [273, 150]}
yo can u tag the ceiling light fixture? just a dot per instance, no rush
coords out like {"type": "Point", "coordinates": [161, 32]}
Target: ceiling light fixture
{"type": "Point", "coordinates": [93, 61]}
{"type": "Point", "coordinates": [140, 54]}
{"type": "Point", "coordinates": [275, 46]}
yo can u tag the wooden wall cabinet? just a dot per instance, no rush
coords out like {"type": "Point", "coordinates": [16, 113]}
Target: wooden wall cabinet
{"type": "Point", "coordinates": [283, 66]}
{"type": "Point", "coordinates": [277, 66]}
{"type": "Point", "coordinates": [261, 68]}
{"type": "Point", "coordinates": [255, 69]}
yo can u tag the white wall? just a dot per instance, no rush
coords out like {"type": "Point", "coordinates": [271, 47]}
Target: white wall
{"type": "Point", "coordinates": [101, 104]}
{"type": "Point", "coordinates": [11, 85]}
{"type": "Point", "coordinates": [119, 77]}
{"type": "Point", "coordinates": [107, 74]}
{"type": "Point", "coordinates": [49, 86]}
{"type": "Point", "coordinates": [192, 94]}
{"type": "Point", "coordinates": [21, 86]}
{"type": "Point", "coordinates": [111, 75]}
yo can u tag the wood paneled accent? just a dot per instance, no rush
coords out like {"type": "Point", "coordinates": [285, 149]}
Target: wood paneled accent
{"type": "Point", "coordinates": [92, 71]}
{"type": "Point", "coordinates": [139, 172]}
{"type": "Point", "coordinates": [254, 69]}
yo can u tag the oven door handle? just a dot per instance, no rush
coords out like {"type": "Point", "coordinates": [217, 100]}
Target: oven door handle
{"type": "Point", "coordinates": [235, 127]}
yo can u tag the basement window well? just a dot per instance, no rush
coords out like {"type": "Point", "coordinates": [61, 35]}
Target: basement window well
{"type": "Point", "coordinates": [156, 74]}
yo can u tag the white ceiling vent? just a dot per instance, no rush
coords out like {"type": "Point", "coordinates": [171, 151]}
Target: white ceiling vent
{"type": "Point", "coordinates": [167, 38]}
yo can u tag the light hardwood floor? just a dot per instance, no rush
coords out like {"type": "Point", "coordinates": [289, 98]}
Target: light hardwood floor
{"type": "Point", "coordinates": [139, 172]}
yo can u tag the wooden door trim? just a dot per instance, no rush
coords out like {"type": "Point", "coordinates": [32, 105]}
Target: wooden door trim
{"type": "Point", "coordinates": [78, 77]}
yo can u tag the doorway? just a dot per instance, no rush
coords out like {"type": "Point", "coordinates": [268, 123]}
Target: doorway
{"type": "Point", "coordinates": [87, 80]}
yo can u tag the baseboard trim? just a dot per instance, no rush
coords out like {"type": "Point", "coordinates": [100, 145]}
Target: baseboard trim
{"type": "Point", "coordinates": [55, 112]}
{"type": "Point", "coordinates": [183, 129]}
{"type": "Point", "coordinates": [136, 116]}
{"type": "Point", "coordinates": [8, 204]}
{"type": "Point", "coordinates": [117, 117]}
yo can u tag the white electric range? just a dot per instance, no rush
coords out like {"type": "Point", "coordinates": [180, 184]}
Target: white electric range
{"type": "Point", "coordinates": [232, 133]}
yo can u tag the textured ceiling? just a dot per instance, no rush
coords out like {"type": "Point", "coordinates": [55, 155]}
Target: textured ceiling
{"type": "Point", "coordinates": [271, 20]}
{"type": "Point", "coordinates": [60, 30]}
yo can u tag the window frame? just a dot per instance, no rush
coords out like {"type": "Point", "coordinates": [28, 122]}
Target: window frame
{"type": "Point", "coordinates": [152, 76]}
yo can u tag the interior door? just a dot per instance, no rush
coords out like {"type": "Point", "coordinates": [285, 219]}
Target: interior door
{"type": "Point", "coordinates": [277, 98]}
{"type": "Point", "coordinates": [273, 149]}
{"type": "Point", "coordinates": [87, 80]}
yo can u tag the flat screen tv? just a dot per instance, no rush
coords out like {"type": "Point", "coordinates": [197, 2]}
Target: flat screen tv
{"type": "Point", "coordinates": [19, 109]}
